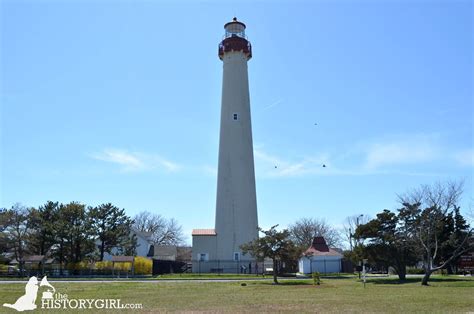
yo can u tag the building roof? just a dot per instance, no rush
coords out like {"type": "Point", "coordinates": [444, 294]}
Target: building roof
{"type": "Point", "coordinates": [320, 248]}
{"type": "Point", "coordinates": [164, 252]}
{"type": "Point", "coordinates": [204, 232]}
{"type": "Point", "coordinates": [34, 258]}
{"type": "Point", "coordinates": [122, 258]}
{"type": "Point", "coordinates": [184, 253]}
{"type": "Point", "coordinates": [142, 234]}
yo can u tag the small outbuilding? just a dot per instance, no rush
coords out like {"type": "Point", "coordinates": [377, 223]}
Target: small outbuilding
{"type": "Point", "coordinates": [320, 258]}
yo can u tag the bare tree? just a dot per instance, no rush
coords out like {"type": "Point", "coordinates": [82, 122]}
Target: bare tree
{"type": "Point", "coordinates": [444, 195]}
{"type": "Point", "coordinates": [16, 226]}
{"type": "Point", "coordinates": [470, 212]}
{"type": "Point", "coordinates": [304, 230]}
{"type": "Point", "coordinates": [164, 231]}
{"type": "Point", "coordinates": [439, 200]}
{"type": "Point", "coordinates": [351, 223]}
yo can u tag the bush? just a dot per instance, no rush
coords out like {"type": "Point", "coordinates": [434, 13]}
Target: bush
{"type": "Point", "coordinates": [415, 271]}
{"type": "Point", "coordinates": [105, 265]}
{"type": "Point", "coordinates": [316, 278]}
{"type": "Point", "coordinates": [78, 266]}
{"type": "Point", "coordinates": [143, 265]}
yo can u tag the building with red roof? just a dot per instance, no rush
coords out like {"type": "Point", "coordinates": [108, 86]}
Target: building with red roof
{"type": "Point", "coordinates": [320, 258]}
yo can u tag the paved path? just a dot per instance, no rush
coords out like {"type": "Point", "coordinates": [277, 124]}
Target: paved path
{"type": "Point", "coordinates": [149, 280]}
{"type": "Point", "coordinates": [268, 278]}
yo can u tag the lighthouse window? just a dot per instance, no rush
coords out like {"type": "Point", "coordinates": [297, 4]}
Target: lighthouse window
{"type": "Point", "coordinates": [236, 256]}
{"type": "Point", "coordinates": [236, 116]}
{"type": "Point", "coordinates": [203, 257]}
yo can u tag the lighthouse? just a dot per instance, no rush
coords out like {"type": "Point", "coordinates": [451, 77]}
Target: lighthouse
{"type": "Point", "coordinates": [236, 221]}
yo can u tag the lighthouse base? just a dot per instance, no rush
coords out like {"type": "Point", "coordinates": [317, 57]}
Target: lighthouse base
{"type": "Point", "coordinates": [206, 260]}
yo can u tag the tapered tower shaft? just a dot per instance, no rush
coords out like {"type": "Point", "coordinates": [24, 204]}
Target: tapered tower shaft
{"type": "Point", "coordinates": [236, 203]}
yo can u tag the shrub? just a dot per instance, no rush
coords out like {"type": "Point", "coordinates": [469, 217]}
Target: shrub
{"type": "Point", "coordinates": [143, 265]}
{"type": "Point", "coordinates": [78, 266]}
{"type": "Point", "coordinates": [415, 271]}
{"type": "Point", "coordinates": [104, 265]}
{"type": "Point", "coordinates": [316, 278]}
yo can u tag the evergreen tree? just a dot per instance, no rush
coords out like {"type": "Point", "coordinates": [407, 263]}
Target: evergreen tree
{"type": "Point", "coordinates": [275, 245]}
{"type": "Point", "coordinates": [42, 237]}
{"type": "Point", "coordinates": [390, 241]}
{"type": "Point", "coordinates": [112, 227]}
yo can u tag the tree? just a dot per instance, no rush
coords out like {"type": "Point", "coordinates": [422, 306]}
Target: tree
{"type": "Point", "coordinates": [60, 229]}
{"type": "Point", "coordinates": [164, 232]}
{"type": "Point", "coordinates": [390, 241]}
{"type": "Point", "coordinates": [3, 236]}
{"type": "Point", "coordinates": [445, 195]}
{"type": "Point", "coordinates": [42, 220]}
{"type": "Point", "coordinates": [461, 228]}
{"type": "Point", "coordinates": [304, 230]}
{"type": "Point", "coordinates": [429, 228]}
{"type": "Point", "coordinates": [439, 200]}
{"type": "Point", "coordinates": [350, 225]}
{"type": "Point", "coordinates": [73, 234]}
{"type": "Point", "coordinates": [112, 227]}
{"type": "Point", "coordinates": [79, 233]}
{"type": "Point", "coordinates": [16, 227]}
{"type": "Point", "coordinates": [129, 246]}
{"type": "Point", "coordinates": [276, 245]}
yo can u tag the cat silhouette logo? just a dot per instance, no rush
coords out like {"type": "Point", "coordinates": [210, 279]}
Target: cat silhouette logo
{"type": "Point", "coordinates": [27, 302]}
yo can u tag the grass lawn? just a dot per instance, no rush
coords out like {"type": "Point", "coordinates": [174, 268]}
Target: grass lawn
{"type": "Point", "coordinates": [446, 294]}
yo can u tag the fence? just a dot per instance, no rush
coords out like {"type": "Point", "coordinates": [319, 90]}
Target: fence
{"type": "Point", "coordinates": [230, 267]}
{"type": "Point", "coordinates": [169, 267]}
{"type": "Point", "coordinates": [55, 270]}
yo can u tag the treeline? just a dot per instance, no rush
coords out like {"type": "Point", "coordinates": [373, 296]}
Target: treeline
{"type": "Point", "coordinates": [427, 229]}
{"type": "Point", "coordinates": [74, 232]}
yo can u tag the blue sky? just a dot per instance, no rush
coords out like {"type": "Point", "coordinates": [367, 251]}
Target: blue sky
{"type": "Point", "coordinates": [118, 101]}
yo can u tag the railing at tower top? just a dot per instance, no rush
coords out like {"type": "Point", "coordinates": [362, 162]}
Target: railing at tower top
{"type": "Point", "coordinates": [235, 43]}
{"type": "Point", "coordinates": [240, 35]}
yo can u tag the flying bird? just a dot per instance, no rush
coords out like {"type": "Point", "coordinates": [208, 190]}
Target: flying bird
{"type": "Point", "coordinates": [324, 166]}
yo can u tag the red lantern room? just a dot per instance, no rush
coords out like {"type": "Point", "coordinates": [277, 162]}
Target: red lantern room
{"type": "Point", "coordinates": [235, 39]}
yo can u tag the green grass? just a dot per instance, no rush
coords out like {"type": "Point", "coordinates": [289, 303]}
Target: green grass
{"type": "Point", "coordinates": [446, 294]}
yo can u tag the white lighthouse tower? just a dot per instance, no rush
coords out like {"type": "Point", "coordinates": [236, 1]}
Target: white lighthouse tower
{"type": "Point", "coordinates": [236, 203]}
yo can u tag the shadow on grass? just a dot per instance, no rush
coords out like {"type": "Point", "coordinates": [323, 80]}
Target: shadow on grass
{"type": "Point", "coordinates": [395, 281]}
{"type": "Point", "coordinates": [339, 277]}
{"type": "Point", "coordinates": [298, 282]}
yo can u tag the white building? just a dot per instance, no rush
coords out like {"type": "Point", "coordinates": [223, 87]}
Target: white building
{"type": "Point", "coordinates": [320, 258]}
{"type": "Point", "coordinates": [144, 243]}
{"type": "Point", "coordinates": [236, 222]}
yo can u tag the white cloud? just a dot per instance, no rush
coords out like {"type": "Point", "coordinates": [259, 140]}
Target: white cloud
{"type": "Point", "coordinates": [209, 170]}
{"type": "Point", "coordinates": [134, 161]}
{"type": "Point", "coordinates": [279, 101]}
{"type": "Point", "coordinates": [465, 157]}
{"type": "Point", "coordinates": [369, 159]}
{"type": "Point", "coordinates": [410, 150]}
{"type": "Point", "coordinates": [123, 158]}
